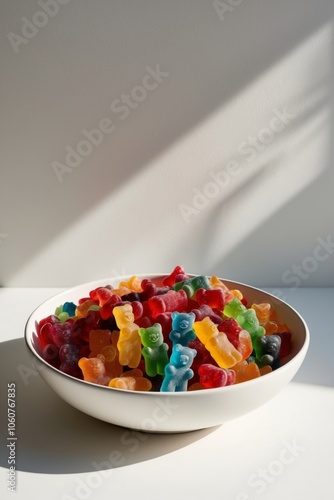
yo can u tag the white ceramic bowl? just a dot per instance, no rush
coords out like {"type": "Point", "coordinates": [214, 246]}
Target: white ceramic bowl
{"type": "Point", "coordinates": [170, 412]}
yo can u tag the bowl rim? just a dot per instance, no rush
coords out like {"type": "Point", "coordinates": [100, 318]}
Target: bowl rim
{"type": "Point", "coordinates": [196, 393]}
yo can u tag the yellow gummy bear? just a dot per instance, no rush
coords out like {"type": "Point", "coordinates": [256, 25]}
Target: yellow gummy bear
{"type": "Point", "coordinates": [129, 341]}
{"type": "Point", "coordinates": [217, 343]}
{"type": "Point", "coordinates": [134, 284]}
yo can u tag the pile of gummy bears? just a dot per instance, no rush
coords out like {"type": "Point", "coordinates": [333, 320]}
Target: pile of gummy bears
{"type": "Point", "coordinates": [187, 333]}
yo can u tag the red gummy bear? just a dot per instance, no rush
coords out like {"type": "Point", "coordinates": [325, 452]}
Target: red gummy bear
{"type": "Point", "coordinates": [202, 357]}
{"type": "Point", "coordinates": [211, 376]}
{"type": "Point", "coordinates": [178, 274]}
{"type": "Point", "coordinates": [170, 301]}
{"type": "Point", "coordinates": [286, 344]}
{"type": "Point", "coordinates": [215, 298]}
{"type": "Point", "coordinates": [232, 329]}
{"type": "Point", "coordinates": [204, 310]}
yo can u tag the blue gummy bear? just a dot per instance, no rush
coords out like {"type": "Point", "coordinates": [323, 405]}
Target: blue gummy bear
{"type": "Point", "coordinates": [182, 328]}
{"type": "Point", "coordinates": [178, 371]}
{"type": "Point", "coordinates": [69, 308]}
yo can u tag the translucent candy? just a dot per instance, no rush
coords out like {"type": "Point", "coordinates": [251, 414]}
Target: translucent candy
{"type": "Point", "coordinates": [131, 380]}
{"type": "Point", "coordinates": [154, 350]}
{"type": "Point", "coordinates": [178, 371]}
{"type": "Point", "coordinates": [234, 308]}
{"type": "Point", "coordinates": [93, 370]}
{"type": "Point", "coordinates": [69, 356]}
{"type": "Point", "coordinates": [97, 340]}
{"type": "Point", "coordinates": [246, 371]}
{"type": "Point", "coordinates": [217, 343]}
{"type": "Point", "coordinates": [211, 376]}
{"type": "Point", "coordinates": [123, 335]}
{"type": "Point", "coordinates": [268, 347]}
{"type": "Point", "coordinates": [171, 279]}
{"type": "Point", "coordinates": [182, 332]}
{"type": "Point", "coordinates": [134, 284]}
{"type": "Point", "coordinates": [215, 298]}
{"type": "Point", "coordinates": [248, 321]}
{"type": "Point", "coordinates": [129, 343]}
{"type": "Point", "coordinates": [171, 301]}
{"type": "Point", "coordinates": [264, 312]}
{"type": "Point", "coordinates": [192, 285]}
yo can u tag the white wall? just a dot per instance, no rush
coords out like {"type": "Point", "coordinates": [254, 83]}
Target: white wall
{"type": "Point", "coordinates": [243, 92]}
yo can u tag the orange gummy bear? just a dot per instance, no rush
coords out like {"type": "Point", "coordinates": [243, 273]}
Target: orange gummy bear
{"type": "Point", "coordinates": [98, 339]}
{"type": "Point", "coordinates": [245, 371]}
{"type": "Point", "coordinates": [130, 382]}
{"type": "Point", "coordinates": [93, 370]}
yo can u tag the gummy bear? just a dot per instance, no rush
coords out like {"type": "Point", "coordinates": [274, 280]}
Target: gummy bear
{"type": "Point", "coordinates": [50, 354]}
{"type": "Point", "coordinates": [62, 333]}
{"type": "Point", "coordinates": [204, 310]}
{"type": "Point", "coordinates": [131, 380]}
{"type": "Point", "coordinates": [267, 349]}
{"type": "Point", "coordinates": [129, 344]}
{"type": "Point", "coordinates": [171, 279]}
{"type": "Point", "coordinates": [108, 307]}
{"type": "Point", "coordinates": [240, 338]}
{"type": "Point", "coordinates": [134, 284]}
{"type": "Point", "coordinates": [234, 308]}
{"type": "Point", "coordinates": [263, 314]}
{"type": "Point", "coordinates": [66, 311]}
{"type": "Point", "coordinates": [69, 355]}
{"type": "Point", "coordinates": [111, 354]}
{"type": "Point", "coordinates": [231, 327]}
{"type": "Point", "coordinates": [97, 340]}
{"type": "Point", "coordinates": [248, 321]}
{"type": "Point", "coordinates": [211, 376]}
{"type": "Point", "coordinates": [170, 301]}
{"type": "Point", "coordinates": [43, 330]}
{"type": "Point", "coordinates": [191, 286]}
{"type": "Point", "coordinates": [246, 371]}
{"type": "Point", "coordinates": [286, 344]}
{"type": "Point", "coordinates": [182, 332]}
{"type": "Point", "coordinates": [202, 357]}
{"type": "Point", "coordinates": [93, 370]}
{"type": "Point", "coordinates": [215, 298]}
{"type": "Point", "coordinates": [217, 343]}
{"type": "Point", "coordinates": [154, 350]}
{"type": "Point", "coordinates": [83, 308]}
{"type": "Point", "coordinates": [178, 371]}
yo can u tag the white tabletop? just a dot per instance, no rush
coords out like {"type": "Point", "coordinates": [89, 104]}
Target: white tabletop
{"type": "Point", "coordinates": [282, 450]}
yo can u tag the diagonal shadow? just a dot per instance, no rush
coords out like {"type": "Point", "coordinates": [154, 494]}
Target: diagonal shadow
{"type": "Point", "coordinates": [228, 72]}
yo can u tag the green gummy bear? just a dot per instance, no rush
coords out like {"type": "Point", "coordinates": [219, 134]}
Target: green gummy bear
{"type": "Point", "coordinates": [234, 308]}
{"type": "Point", "coordinates": [191, 285]}
{"type": "Point", "coordinates": [154, 350]}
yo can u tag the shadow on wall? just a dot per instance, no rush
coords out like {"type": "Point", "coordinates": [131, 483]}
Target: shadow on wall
{"type": "Point", "coordinates": [189, 58]}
